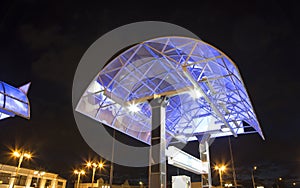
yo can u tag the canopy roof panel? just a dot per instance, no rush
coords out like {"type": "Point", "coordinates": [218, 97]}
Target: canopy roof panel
{"type": "Point", "coordinates": [14, 101]}
{"type": "Point", "coordinates": [206, 92]}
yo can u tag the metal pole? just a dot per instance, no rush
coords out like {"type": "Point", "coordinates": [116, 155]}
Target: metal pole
{"type": "Point", "coordinates": [208, 160]}
{"type": "Point", "coordinates": [232, 164]}
{"type": "Point", "coordinates": [17, 170]}
{"type": "Point", "coordinates": [19, 165]}
{"type": "Point", "coordinates": [252, 176]}
{"type": "Point", "coordinates": [78, 179]}
{"type": "Point", "coordinates": [112, 160]}
{"type": "Point", "coordinates": [93, 176]}
{"type": "Point", "coordinates": [221, 181]}
{"type": "Point", "coordinates": [204, 157]}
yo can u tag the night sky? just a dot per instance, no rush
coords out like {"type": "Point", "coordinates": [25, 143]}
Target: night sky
{"type": "Point", "coordinates": [42, 42]}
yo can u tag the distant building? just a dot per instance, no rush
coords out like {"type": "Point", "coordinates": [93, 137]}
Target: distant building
{"type": "Point", "coordinates": [28, 178]}
{"type": "Point", "coordinates": [101, 184]}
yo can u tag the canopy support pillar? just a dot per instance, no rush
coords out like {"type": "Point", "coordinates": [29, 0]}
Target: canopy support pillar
{"type": "Point", "coordinates": [157, 154]}
{"type": "Point", "coordinates": [204, 157]}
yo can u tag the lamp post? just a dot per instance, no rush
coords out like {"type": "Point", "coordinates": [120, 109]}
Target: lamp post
{"type": "Point", "coordinates": [252, 176]}
{"type": "Point", "coordinates": [78, 172]}
{"type": "Point", "coordinates": [95, 166]}
{"type": "Point", "coordinates": [21, 155]}
{"type": "Point", "coordinates": [220, 169]}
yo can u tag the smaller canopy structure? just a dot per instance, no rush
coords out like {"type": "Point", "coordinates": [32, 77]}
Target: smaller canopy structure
{"type": "Point", "coordinates": [14, 101]}
{"type": "Point", "coordinates": [205, 90]}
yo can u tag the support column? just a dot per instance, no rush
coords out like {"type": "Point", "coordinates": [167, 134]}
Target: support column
{"type": "Point", "coordinates": [204, 157]}
{"type": "Point", "coordinates": [28, 181]}
{"type": "Point", "coordinates": [64, 184]}
{"type": "Point", "coordinates": [157, 154]}
{"type": "Point", "coordinates": [54, 182]}
{"type": "Point", "coordinates": [12, 180]}
{"type": "Point", "coordinates": [42, 182]}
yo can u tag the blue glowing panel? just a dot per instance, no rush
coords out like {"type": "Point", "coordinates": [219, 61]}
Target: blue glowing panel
{"type": "Point", "coordinates": [13, 101]}
{"type": "Point", "coordinates": [204, 86]}
{"type": "Point", "coordinates": [1, 99]}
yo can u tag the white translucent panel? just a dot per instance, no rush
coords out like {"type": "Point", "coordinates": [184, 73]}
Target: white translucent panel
{"type": "Point", "coordinates": [1, 99]}
{"type": "Point", "coordinates": [16, 106]}
{"type": "Point", "coordinates": [3, 116]}
{"type": "Point", "coordinates": [14, 92]}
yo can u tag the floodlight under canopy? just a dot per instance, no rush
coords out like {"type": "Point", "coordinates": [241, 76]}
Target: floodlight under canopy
{"type": "Point", "coordinates": [203, 85]}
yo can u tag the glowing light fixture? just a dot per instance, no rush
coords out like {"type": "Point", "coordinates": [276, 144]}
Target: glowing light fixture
{"type": "Point", "coordinates": [133, 108]}
{"type": "Point", "coordinates": [196, 94]}
{"type": "Point", "coordinates": [16, 154]}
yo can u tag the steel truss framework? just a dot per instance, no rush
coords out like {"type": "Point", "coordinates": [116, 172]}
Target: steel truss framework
{"type": "Point", "coordinates": [14, 101]}
{"type": "Point", "coordinates": [205, 89]}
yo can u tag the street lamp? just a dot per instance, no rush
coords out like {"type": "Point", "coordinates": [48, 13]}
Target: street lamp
{"type": "Point", "coordinates": [252, 176]}
{"type": "Point", "coordinates": [95, 166]}
{"type": "Point", "coordinates": [21, 155]}
{"type": "Point", "coordinates": [78, 172]}
{"type": "Point", "coordinates": [141, 183]}
{"type": "Point", "coordinates": [221, 169]}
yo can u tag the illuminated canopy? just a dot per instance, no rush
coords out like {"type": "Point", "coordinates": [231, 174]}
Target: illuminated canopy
{"type": "Point", "coordinates": [206, 92]}
{"type": "Point", "coordinates": [14, 101]}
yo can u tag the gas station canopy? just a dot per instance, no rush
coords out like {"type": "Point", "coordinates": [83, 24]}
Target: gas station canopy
{"type": "Point", "coordinates": [205, 91]}
{"type": "Point", "coordinates": [14, 101]}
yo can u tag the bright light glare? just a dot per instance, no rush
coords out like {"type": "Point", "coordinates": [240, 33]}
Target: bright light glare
{"type": "Point", "coordinates": [134, 108]}
{"type": "Point", "coordinates": [101, 165]}
{"type": "Point", "coordinates": [27, 155]}
{"type": "Point", "coordinates": [223, 168]}
{"type": "Point", "coordinates": [79, 172]}
{"type": "Point", "coordinates": [195, 93]}
{"type": "Point", "coordinates": [141, 183]}
{"type": "Point", "coordinates": [220, 168]}
{"type": "Point", "coordinates": [16, 154]}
